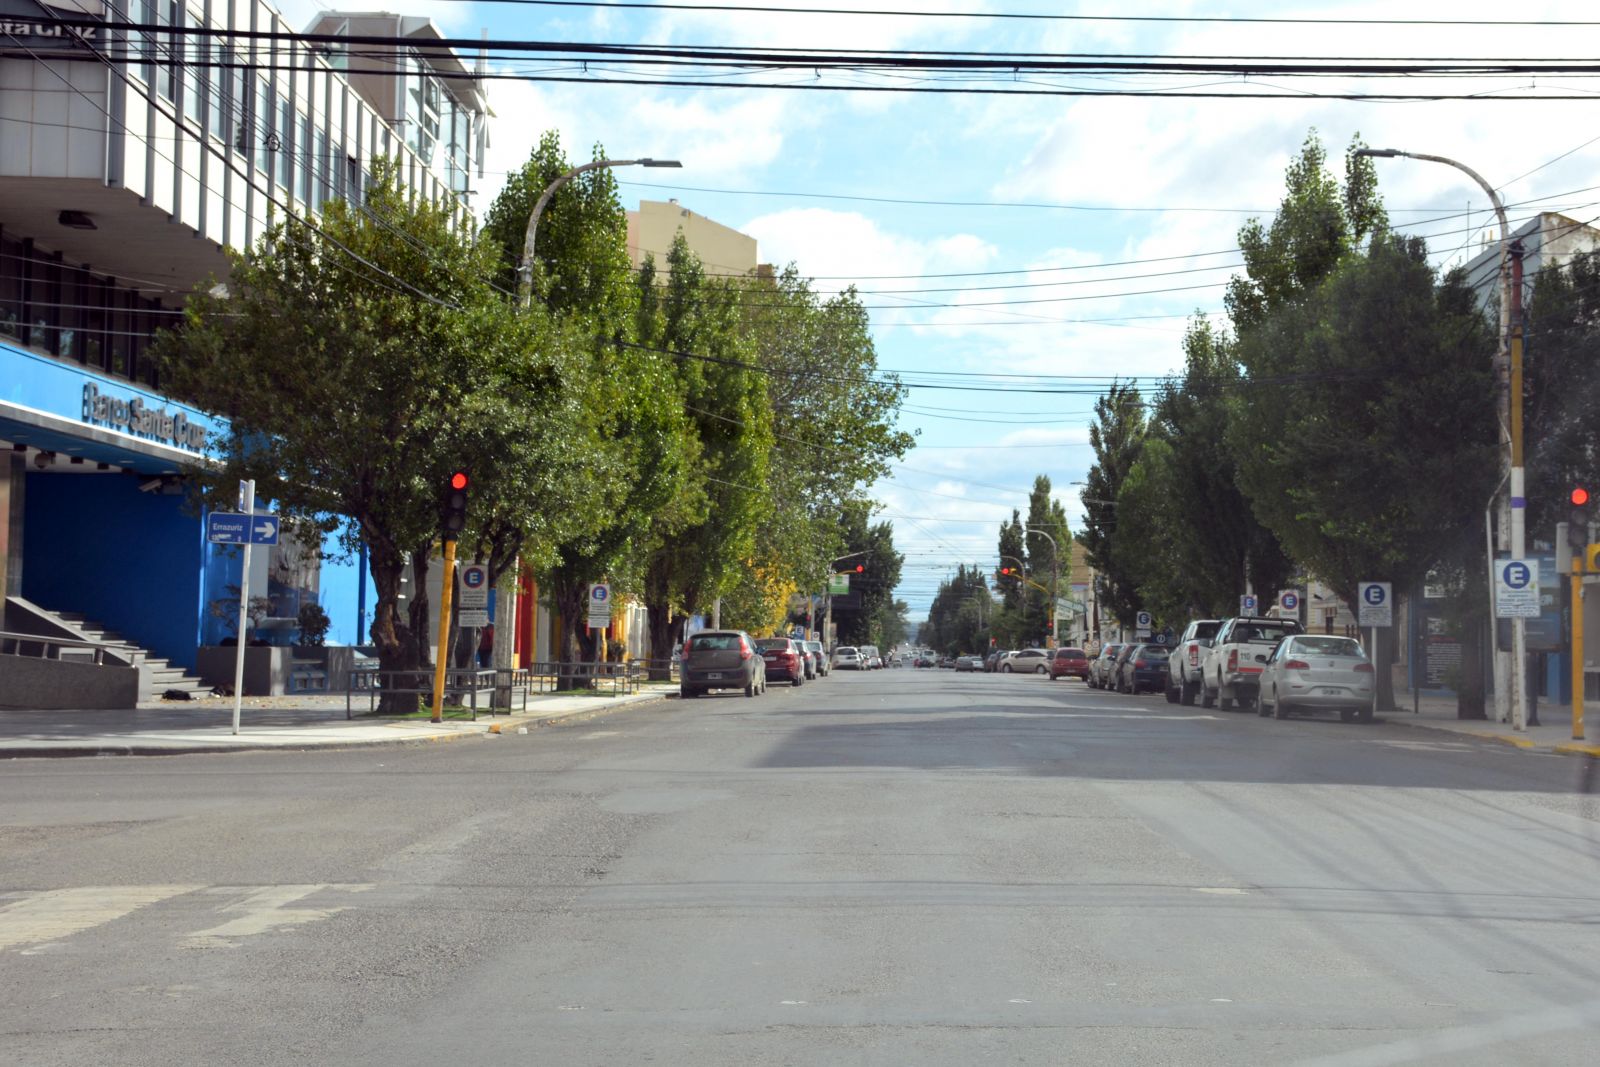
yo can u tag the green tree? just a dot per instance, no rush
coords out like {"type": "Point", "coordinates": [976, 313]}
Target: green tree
{"type": "Point", "coordinates": [1048, 563]}
{"type": "Point", "coordinates": [1369, 444]}
{"type": "Point", "coordinates": [644, 452]}
{"type": "Point", "coordinates": [1116, 436]}
{"type": "Point", "coordinates": [695, 320]}
{"type": "Point", "coordinates": [861, 622]}
{"type": "Point", "coordinates": [1561, 421]}
{"type": "Point", "coordinates": [1196, 543]}
{"type": "Point", "coordinates": [358, 364]}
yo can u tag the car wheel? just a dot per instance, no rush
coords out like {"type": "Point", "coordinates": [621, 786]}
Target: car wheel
{"type": "Point", "coordinates": [1280, 710]}
{"type": "Point", "coordinates": [1006, 669]}
{"type": "Point", "coordinates": [1364, 715]}
{"type": "Point", "coordinates": [1224, 701]}
{"type": "Point", "coordinates": [685, 692]}
{"type": "Point", "coordinates": [1208, 697]}
{"type": "Point", "coordinates": [750, 687]}
{"type": "Point", "coordinates": [1172, 695]}
{"type": "Point", "coordinates": [1347, 714]}
{"type": "Point", "coordinates": [798, 681]}
{"type": "Point", "coordinates": [1247, 701]}
{"type": "Point", "coordinates": [1187, 693]}
{"type": "Point", "coordinates": [1042, 670]}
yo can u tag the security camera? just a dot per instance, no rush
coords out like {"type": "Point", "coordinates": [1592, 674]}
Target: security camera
{"type": "Point", "coordinates": [152, 485]}
{"type": "Point", "coordinates": [43, 459]}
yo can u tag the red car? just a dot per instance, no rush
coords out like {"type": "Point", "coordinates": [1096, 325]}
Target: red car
{"type": "Point", "coordinates": [1072, 662]}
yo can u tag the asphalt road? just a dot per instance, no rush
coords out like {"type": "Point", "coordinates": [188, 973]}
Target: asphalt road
{"type": "Point", "coordinates": [902, 867]}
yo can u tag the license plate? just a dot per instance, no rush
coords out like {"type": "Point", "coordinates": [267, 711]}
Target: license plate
{"type": "Point", "coordinates": [714, 674]}
{"type": "Point", "coordinates": [1329, 692]}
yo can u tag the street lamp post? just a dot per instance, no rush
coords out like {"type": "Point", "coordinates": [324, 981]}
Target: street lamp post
{"type": "Point", "coordinates": [503, 616]}
{"type": "Point", "coordinates": [1510, 689]}
{"type": "Point", "coordinates": [1055, 574]}
{"type": "Point", "coordinates": [525, 271]}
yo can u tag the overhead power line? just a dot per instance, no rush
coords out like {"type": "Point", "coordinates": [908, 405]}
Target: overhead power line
{"type": "Point", "coordinates": [609, 5]}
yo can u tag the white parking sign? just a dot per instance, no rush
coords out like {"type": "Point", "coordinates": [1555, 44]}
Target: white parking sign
{"type": "Point", "coordinates": [1516, 589]}
{"type": "Point", "coordinates": [599, 605]}
{"type": "Point", "coordinates": [1376, 604]}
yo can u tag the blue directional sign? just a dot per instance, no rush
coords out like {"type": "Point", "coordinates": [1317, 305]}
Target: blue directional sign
{"type": "Point", "coordinates": [230, 528]}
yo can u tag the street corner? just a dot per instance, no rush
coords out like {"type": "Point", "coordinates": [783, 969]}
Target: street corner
{"type": "Point", "coordinates": [1579, 748]}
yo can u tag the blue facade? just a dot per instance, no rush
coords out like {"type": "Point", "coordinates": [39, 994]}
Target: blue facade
{"type": "Point", "coordinates": [135, 561]}
{"type": "Point", "coordinates": [108, 531]}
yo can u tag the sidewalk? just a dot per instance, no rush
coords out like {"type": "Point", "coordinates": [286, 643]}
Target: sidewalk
{"type": "Point", "coordinates": [166, 728]}
{"type": "Point", "coordinates": [1554, 734]}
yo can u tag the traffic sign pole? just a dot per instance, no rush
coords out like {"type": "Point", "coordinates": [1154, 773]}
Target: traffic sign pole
{"type": "Point", "coordinates": [1578, 651]}
{"type": "Point", "coordinates": [444, 628]}
{"type": "Point", "coordinates": [247, 504]}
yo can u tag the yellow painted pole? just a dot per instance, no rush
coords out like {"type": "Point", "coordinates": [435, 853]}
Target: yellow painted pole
{"type": "Point", "coordinates": [1577, 648]}
{"type": "Point", "coordinates": [449, 584]}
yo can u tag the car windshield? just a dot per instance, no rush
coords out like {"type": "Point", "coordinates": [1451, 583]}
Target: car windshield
{"type": "Point", "coordinates": [713, 642]}
{"type": "Point", "coordinates": [1328, 646]}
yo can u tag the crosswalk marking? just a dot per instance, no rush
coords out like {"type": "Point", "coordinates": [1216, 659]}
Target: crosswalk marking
{"type": "Point", "coordinates": [59, 913]}
{"type": "Point", "coordinates": [264, 909]}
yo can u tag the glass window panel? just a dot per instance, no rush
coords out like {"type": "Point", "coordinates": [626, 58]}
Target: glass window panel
{"type": "Point", "coordinates": [265, 112]}
{"type": "Point", "coordinates": [286, 157]}
{"type": "Point", "coordinates": [10, 288]}
{"type": "Point", "coordinates": [44, 291]}
{"type": "Point", "coordinates": [195, 74]}
{"type": "Point", "coordinates": [307, 174]}
{"type": "Point", "coordinates": [120, 333]}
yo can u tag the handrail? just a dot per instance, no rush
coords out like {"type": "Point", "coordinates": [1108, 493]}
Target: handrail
{"type": "Point", "coordinates": [12, 643]}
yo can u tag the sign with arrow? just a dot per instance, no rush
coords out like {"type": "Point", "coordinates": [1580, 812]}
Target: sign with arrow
{"type": "Point", "coordinates": [230, 528]}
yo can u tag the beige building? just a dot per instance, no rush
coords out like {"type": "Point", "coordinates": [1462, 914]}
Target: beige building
{"type": "Point", "coordinates": [722, 249]}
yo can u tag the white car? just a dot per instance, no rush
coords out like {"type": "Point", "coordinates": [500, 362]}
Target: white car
{"type": "Point", "coordinates": [1026, 661]}
{"type": "Point", "coordinates": [1309, 672]}
{"type": "Point", "coordinates": [846, 658]}
{"type": "Point", "coordinates": [870, 658]}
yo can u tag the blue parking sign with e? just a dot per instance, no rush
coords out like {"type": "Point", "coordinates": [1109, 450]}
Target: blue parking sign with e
{"type": "Point", "coordinates": [1373, 594]}
{"type": "Point", "coordinates": [1517, 575]}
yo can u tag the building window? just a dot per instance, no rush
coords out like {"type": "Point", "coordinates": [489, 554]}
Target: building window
{"type": "Point", "coordinates": [11, 274]}
{"type": "Point", "coordinates": [307, 158]}
{"type": "Point", "coordinates": [320, 164]}
{"type": "Point", "coordinates": [266, 110]}
{"type": "Point", "coordinates": [195, 73]}
{"type": "Point", "coordinates": [286, 125]}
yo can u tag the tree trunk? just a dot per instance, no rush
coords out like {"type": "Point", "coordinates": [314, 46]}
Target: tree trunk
{"type": "Point", "coordinates": [1470, 696]}
{"type": "Point", "coordinates": [661, 620]}
{"type": "Point", "coordinates": [577, 646]}
{"type": "Point", "coordinates": [396, 642]}
{"type": "Point", "coordinates": [1383, 665]}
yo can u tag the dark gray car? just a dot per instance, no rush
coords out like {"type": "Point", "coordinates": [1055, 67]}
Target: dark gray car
{"type": "Point", "coordinates": [721, 659]}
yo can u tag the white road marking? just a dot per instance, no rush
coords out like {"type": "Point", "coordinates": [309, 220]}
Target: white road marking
{"type": "Point", "coordinates": [59, 913]}
{"type": "Point", "coordinates": [1221, 891]}
{"type": "Point", "coordinates": [263, 909]}
{"type": "Point", "coordinates": [599, 733]}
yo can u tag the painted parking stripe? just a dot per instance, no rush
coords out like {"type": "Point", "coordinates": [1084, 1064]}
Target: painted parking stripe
{"type": "Point", "coordinates": [57, 913]}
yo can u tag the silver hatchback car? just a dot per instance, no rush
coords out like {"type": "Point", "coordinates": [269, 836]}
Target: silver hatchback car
{"type": "Point", "coordinates": [1317, 672]}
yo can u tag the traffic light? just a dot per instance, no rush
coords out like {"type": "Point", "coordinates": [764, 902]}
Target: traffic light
{"type": "Point", "coordinates": [860, 568]}
{"type": "Point", "coordinates": [1006, 571]}
{"type": "Point", "coordinates": [454, 517]}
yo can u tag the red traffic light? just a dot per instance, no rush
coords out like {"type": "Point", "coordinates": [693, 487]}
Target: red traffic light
{"type": "Point", "coordinates": [1005, 570]}
{"type": "Point", "coordinates": [458, 480]}
{"type": "Point", "coordinates": [860, 568]}
{"type": "Point", "coordinates": [1580, 496]}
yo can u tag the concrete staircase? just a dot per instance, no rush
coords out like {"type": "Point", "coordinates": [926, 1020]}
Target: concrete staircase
{"type": "Point", "coordinates": [156, 675]}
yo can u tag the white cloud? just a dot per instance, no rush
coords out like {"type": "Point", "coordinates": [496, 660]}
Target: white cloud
{"type": "Point", "coordinates": [1070, 435]}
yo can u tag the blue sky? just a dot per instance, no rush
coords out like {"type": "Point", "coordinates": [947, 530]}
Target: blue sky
{"type": "Point", "coordinates": [1145, 178]}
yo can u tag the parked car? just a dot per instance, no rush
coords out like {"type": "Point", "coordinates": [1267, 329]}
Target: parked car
{"type": "Point", "coordinates": [785, 659]}
{"type": "Point", "coordinates": [991, 662]}
{"type": "Point", "coordinates": [1315, 672]}
{"type": "Point", "coordinates": [846, 658]}
{"type": "Point", "coordinates": [967, 664]}
{"type": "Point", "coordinates": [808, 658]}
{"type": "Point", "coordinates": [1142, 667]}
{"type": "Point", "coordinates": [1069, 663]}
{"type": "Point", "coordinates": [720, 659]}
{"type": "Point", "coordinates": [1188, 659]}
{"type": "Point", "coordinates": [925, 659]}
{"type": "Point", "coordinates": [823, 666]}
{"type": "Point", "coordinates": [1026, 661]}
{"type": "Point", "coordinates": [871, 659]}
{"type": "Point", "coordinates": [1100, 666]}
{"type": "Point", "coordinates": [1232, 672]}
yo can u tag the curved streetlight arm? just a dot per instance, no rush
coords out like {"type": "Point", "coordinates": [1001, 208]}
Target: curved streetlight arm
{"type": "Point", "coordinates": [525, 270]}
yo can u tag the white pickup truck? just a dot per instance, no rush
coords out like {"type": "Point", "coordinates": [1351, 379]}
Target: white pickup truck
{"type": "Point", "coordinates": [1188, 659]}
{"type": "Point", "coordinates": [1231, 672]}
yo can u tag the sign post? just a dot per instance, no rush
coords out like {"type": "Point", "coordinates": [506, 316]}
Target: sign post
{"type": "Point", "coordinates": [247, 504]}
{"type": "Point", "coordinates": [1516, 589]}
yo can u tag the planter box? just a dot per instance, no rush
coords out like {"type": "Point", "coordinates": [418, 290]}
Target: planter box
{"type": "Point", "coordinates": [266, 669]}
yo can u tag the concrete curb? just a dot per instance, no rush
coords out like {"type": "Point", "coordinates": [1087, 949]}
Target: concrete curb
{"type": "Point", "coordinates": [95, 747]}
{"type": "Point", "coordinates": [1526, 744]}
